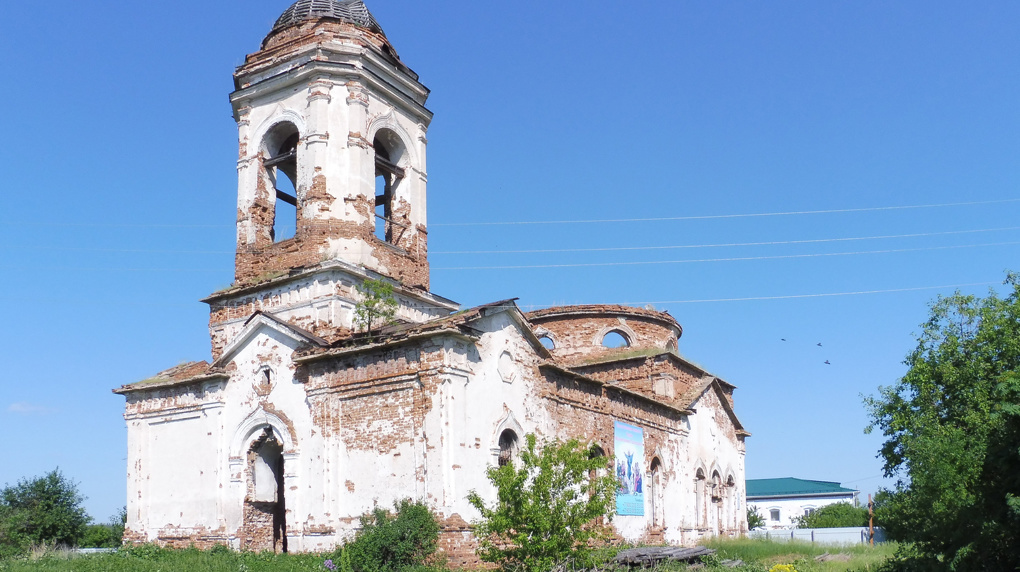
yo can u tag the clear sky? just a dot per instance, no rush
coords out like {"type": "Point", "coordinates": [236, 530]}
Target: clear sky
{"type": "Point", "coordinates": [119, 195]}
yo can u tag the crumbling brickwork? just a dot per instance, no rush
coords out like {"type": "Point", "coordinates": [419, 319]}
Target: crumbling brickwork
{"type": "Point", "coordinates": [578, 331]}
{"type": "Point", "coordinates": [340, 422]}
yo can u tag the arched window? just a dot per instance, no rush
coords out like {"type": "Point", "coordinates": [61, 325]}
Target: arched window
{"type": "Point", "coordinates": [507, 447]}
{"type": "Point", "coordinates": [281, 151]}
{"type": "Point", "coordinates": [732, 510]}
{"type": "Point", "coordinates": [615, 339]}
{"type": "Point", "coordinates": [656, 492]}
{"type": "Point", "coordinates": [716, 506]}
{"type": "Point", "coordinates": [547, 342]}
{"type": "Point", "coordinates": [699, 499]}
{"type": "Point", "coordinates": [389, 151]}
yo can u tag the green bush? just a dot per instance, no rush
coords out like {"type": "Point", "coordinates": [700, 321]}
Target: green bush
{"type": "Point", "coordinates": [389, 542]}
{"type": "Point", "coordinates": [836, 515]}
{"type": "Point", "coordinates": [109, 535]}
{"type": "Point", "coordinates": [547, 507]}
{"type": "Point", "coordinates": [42, 511]}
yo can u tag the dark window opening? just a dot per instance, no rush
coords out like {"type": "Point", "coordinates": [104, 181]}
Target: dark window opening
{"type": "Point", "coordinates": [387, 177]}
{"type": "Point", "coordinates": [282, 170]}
{"type": "Point", "coordinates": [507, 447]}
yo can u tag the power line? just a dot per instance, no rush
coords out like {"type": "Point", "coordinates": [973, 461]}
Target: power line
{"type": "Point", "coordinates": [726, 216]}
{"type": "Point", "coordinates": [788, 297]}
{"type": "Point", "coordinates": [544, 251]}
{"type": "Point", "coordinates": [94, 269]}
{"type": "Point", "coordinates": [734, 259]}
{"type": "Point", "coordinates": [545, 222]}
{"type": "Point", "coordinates": [734, 244]}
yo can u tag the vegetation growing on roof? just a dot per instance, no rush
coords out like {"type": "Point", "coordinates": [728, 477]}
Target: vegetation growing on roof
{"type": "Point", "coordinates": [378, 306]}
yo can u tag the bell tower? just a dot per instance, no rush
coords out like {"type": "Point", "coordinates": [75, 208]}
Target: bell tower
{"type": "Point", "coordinates": [332, 149]}
{"type": "Point", "coordinates": [331, 177]}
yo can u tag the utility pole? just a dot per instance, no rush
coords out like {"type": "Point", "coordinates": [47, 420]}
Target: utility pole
{"type": "Point", "coordinates": [871, 520]}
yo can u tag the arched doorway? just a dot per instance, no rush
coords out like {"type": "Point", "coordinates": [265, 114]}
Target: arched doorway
{"type": "Point", "coordinates": [265, 506]}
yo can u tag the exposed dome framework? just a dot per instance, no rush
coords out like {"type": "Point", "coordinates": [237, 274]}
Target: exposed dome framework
{"type": "Point", "coordinates": [350, 11]}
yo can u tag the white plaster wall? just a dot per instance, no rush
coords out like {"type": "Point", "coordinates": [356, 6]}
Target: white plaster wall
{"type": "Point", "coordinates": [476, 409]}
{"type": "Point", "coordinates": [247, 413]}
{"type": "Point", "coordinates": [714, 448]}
{"type": "Point", "coordinates": [173, 472]}
{"type": "Point", "coordinates": [440, 460]}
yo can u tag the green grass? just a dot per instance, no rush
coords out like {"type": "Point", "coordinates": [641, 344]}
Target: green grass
{"type": "Point", "coordinates": [757, 555]}
{"type": "Point", "coordinates": [168, 561]}
{"type": "Point", "coordinates": [763, 554]}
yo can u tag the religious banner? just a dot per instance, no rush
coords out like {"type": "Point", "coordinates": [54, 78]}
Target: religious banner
{"type": "Point", "coordinates": [629, 453]}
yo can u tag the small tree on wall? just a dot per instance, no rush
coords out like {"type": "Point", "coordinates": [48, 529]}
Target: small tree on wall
{"type": "Point", "coordinates": [377, 307]}
{"type": "Point", "coordinates": [547, 506]}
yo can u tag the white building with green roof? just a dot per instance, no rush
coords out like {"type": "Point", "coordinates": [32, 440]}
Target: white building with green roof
{"type": "Point", "coordinates": [782, 500]}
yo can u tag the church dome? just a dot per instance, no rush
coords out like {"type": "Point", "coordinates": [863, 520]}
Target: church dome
{"type": "Point", "coordinates": [350, 11]}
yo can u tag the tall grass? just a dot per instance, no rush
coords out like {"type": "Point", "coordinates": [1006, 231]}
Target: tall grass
{"type": "Point", "coordinates": [168, 561]}
{"type": "Point", "coordinates": [853, 557]}
{"type": "Point", "coordinates": [757, 555]}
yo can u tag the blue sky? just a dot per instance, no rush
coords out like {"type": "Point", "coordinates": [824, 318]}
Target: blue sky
{"type": "Point", "coordinates": [119, 195]}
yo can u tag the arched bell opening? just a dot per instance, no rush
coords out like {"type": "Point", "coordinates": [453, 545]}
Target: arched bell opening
{"type": "Point", "coordinates": [389, 155]}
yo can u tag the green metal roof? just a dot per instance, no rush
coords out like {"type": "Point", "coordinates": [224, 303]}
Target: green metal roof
{"type": "Point", "coordinates": [790, 486]}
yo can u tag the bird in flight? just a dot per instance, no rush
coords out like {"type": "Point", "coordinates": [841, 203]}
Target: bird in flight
{"type": "Point", "coordinates": [819, 344]}
{"type": "Point", "coordinates": [827, 362]}
{"type": "Point", "coordinates": [782, 339]}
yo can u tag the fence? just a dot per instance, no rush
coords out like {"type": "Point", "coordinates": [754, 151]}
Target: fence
{"type": "Point", "coordinates": [821, 535]}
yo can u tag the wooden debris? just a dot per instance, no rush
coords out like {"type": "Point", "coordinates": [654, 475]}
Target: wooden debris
{"type": "Point", "coordinates": [652, 555]}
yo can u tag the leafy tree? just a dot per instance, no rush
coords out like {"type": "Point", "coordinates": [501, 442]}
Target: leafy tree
{"type": "Point", "coordinates": [952, 429]}
{"type": "Point", "coordinates": [44, 510]}
{"type": "Point", "coordinates": [754, 518]}
{"type": "Point", "coordinates": [108, 535]}
{"type": "Point", "coordinates": [378, 305]}
{"type": "Point", "coordinates": [837, 515]}
{"type": "Point", "coordinates": [389, 542]}
{"type": "Point", "coordinates": [547, 506]}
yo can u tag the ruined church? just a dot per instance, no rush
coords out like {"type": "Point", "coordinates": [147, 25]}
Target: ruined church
{"type": "Point", "coordinates": [300, 423]}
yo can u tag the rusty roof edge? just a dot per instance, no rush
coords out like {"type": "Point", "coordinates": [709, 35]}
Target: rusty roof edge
{"type": "Point", "coordinates": [674, 356]}
{"type": "Point", "coordinates": [560, 369]}
{"type": "Point", "coordinates": [327, 266]}
{"type": "Point", "coordinates": [588, 309]}
{"type": "Point", "coordinates": [320, 355]}
{"type": "Point", "coordinates": [144, 386]}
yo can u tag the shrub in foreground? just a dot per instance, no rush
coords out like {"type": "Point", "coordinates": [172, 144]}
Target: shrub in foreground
{"type": "Point", "coordinates": [391, 541]}
{"type": "Point", "coordinates": [41, 511]}
{"type": "Point", "coordinates": [548, 507]}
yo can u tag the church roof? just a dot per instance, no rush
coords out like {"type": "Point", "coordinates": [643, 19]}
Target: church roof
{"type": "Point", "coordinates": [350, 11]}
